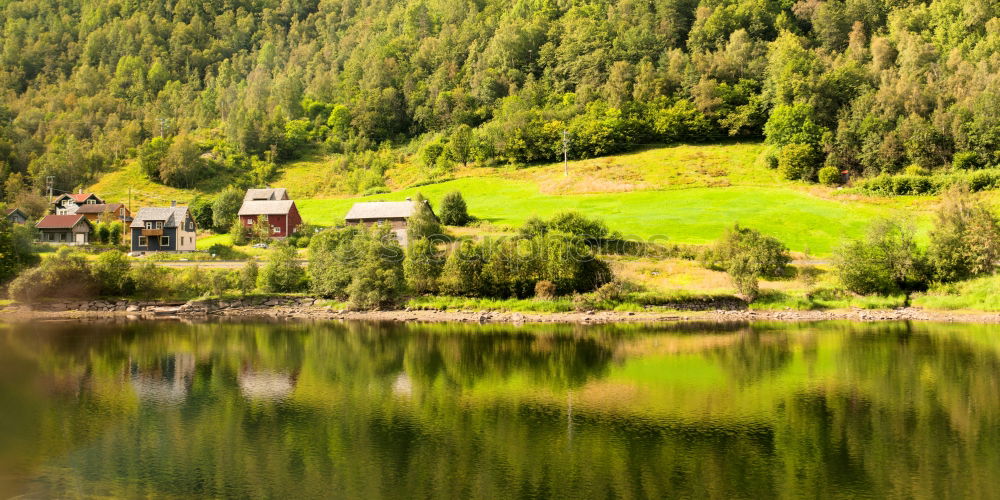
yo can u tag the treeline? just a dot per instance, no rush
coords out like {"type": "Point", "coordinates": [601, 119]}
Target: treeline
{"type": "Point", "coordinates": [198, 88]}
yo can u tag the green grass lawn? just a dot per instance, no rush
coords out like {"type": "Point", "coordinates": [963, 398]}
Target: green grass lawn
{"type": "Point", "coordinates": [696, 215]}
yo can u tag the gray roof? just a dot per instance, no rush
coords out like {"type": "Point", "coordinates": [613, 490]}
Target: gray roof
{"type": "Point", "coordinates": [278, 207]}
{"type": "Point", "coordinates": [266, 194]}
{"type": "Point", "coordinates": [171, 216]}
{"type": "Point", "coordinates": [377, 210]}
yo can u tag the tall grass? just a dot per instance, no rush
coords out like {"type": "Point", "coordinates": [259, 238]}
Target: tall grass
{"type": "Point", "coordinates": [981, 294]}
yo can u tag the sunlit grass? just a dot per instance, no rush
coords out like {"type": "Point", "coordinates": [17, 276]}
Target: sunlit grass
{"type": "Point", "coordinates": [981, 294]}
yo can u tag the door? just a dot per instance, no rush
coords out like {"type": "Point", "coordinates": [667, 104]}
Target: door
{"type": "Point", "coordinates": [81, 238]}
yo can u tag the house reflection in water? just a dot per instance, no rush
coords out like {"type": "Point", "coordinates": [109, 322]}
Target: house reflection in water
{"type": "Point", "coordinates": [167, 380]}
{"type": "Point", "coordinates": [263, 385]}
{"type": "Point", "coordinates": [402, 386]}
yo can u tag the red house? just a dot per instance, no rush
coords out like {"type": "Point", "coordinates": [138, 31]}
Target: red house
{"type": "Point", "coordinates": [282, 215]}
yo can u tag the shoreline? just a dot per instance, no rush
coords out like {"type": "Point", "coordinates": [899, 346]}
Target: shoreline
{"type": "Point", "coordinates": [304, 308]}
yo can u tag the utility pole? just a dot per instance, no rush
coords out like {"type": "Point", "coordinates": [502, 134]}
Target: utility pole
{"type": "Point", "coordinates": [565, 144]}
{"type": "Point", "coordinates": [48, 185]}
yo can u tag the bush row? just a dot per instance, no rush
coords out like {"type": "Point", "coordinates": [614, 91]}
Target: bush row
{"type": "Point", "coordinates": [908, 184]}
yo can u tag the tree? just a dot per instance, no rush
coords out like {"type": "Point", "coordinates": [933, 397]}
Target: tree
{"type": "Point", "coordinates": [201, 211]}
{"type": "Point", "coordinates": [965, 239]}
{"type": "Point", "coordinates": [886, 261]}
{"type": "Point", "coordinates": [453, 210]}
{"type": "Point", "coordinates": [115, 231]}
{"type": "Point", "coordinates": [378, 281]}
{"type": "Point", "coordinates": [460, 144]}
{"type": "Point", "coordinates": [225, 207]}
{"type": "Point", "coordinates": [423, 223]}
{"type": "Point", "coordinates": [282, 274]}
{"type": "Point", "coordinates": [248, 277]}
{"type": "Point", "coordinates": [239, 233]}
{"type": "Point", "coordinates": [151, 156]}
{"type": "Point", "coordinates": [182, 165]}
{"type": "Point", "coordinates": [112, 271]}
{"type": "Point", "coordinates": [422, 266]}
{"type": "Point", "coordinates": [797, 161]}
{"type": "Point", "coordinates": [747, 255]}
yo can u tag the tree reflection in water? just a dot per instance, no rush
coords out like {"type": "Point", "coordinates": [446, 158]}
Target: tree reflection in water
{"type": "Point", "coordinates": [383, 410]}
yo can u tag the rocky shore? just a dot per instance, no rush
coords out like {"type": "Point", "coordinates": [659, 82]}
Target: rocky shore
{"type": "Point", "coordinates": [310, 308]}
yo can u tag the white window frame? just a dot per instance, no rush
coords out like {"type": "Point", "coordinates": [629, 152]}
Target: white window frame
{"type": "Point", "coordinates": [149, 225]}
{"type": "Point", "coordinates": [143, 241]}
{"type": "Point", "coordinates": [249, 222]}
{"type": "Point", "coordinates": [159, 224]}
{"type": "Point", "coordinates": [164, 241]}
{"type": "Point", "coordinates": [276, 229]}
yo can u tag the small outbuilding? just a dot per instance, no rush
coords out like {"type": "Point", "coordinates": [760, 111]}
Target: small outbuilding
{"type": "Point", "coordinates": [16, 216]}
{"type": "Point", "coordinates": [64, 230]}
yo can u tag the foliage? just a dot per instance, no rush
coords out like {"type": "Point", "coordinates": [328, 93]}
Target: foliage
{"type": "Point", "coordinates": [797, 161]}
{"type": "Point", "coordinates": [378, 280]}
{"type": "Point", "coordinates": [240, 233]}
{"type": "Point", "coordinates": [225, 207]}
{"type": "Point", "coordinates": [16, 249]}
{"type": "Point", "coordinates": [453, 210]}
{"type": "Point", "coordinates": [201, 212]}
{"type": "Point", "coordinates": [423, 223]}
{"type": "Point", "coordinates": [747, 250]}
{"type": "Point", "coordinates": [965, 239]}
{"type": "Point", "coordinates": [829, 175]}
{"type": "Point", "coordinates": [247, 280]}
{"type": "Point", "coordinates": [192, 90]}
{"type": "Point", "coordinates": [64, 275]}
{"type": "Point", "coordinates": [282, 274]}
{"type": "Point", "coordinates": [545, 290]}
{"type": "Point", "coordinates": [422, 266]}
{"type": "Point", "coordinates": [112, 271]}
{"type": "Point", "coordinates": [887, 261]}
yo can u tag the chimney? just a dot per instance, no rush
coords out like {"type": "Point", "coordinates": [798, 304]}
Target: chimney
{"type": "Point", "coordinates": [80, 191]}
{"type": "Point", "coordinates": [173, 203]}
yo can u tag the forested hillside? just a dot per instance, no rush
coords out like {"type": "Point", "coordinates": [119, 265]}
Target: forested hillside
{"type": "Point", "coordinates": [222, 92]}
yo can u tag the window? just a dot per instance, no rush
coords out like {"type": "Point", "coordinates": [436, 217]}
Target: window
{"type": "Point", "coordinates": [62, 236]}
{"type": "Point", "coordinates": [52, 237]}
{"type": "Point", "coordinates": [159, 224]}
{"type": "Point", "coordinates": [143, 241]}
{"type": "Point", "coordinates": [164, 241]}
{"type": "Point", "coordinates": [249, 222]}
{"type": "Point", "coordinates": [276, 229]}
{"type": "Point", "coordinates": [149, 225]}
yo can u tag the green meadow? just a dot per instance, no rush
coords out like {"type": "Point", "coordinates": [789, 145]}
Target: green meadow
{"type": "Point", "coordinates": [802, 220]}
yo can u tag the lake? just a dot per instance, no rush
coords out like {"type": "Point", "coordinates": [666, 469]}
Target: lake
{"type": "Point", "coordinates": [364, 410]}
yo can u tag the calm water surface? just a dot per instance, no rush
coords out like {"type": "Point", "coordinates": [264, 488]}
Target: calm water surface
{"type": "Point", "coordinates": [360, 410]}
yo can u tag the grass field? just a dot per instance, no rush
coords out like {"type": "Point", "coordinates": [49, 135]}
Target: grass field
{"type": "Point", "coordinates": [696, 215]}
{"type": "Point", "coordinates": [683, 194]}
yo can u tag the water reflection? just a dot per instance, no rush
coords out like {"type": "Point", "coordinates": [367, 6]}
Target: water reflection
{"type": "Point", "coordinates": [373, 410]}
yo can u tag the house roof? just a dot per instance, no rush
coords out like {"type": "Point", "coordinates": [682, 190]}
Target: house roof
{"type": "Point", "coordinates": [269, 194]}
{"type": "Point", "coordinates": [171, 216]}
{"type": "Point", "coordinates": [98, 208]}
{"type": "Point", "coordinates": [381, 210]}
{"type": "Point", "coordinates": [276, 207]}
{"type": "Point", "coordinates": [10, 211]}
{"type": "Point", "coordinates": [77, 197]}
{"type": "Point", "coordinates": [59, 221]}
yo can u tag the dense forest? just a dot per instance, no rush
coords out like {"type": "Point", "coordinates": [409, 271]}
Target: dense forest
{"type": "Point", "coordinates": [196, 89]}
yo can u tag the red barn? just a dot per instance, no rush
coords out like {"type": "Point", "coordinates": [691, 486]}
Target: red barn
{"type": "Point", "coordinates": [282, 215]}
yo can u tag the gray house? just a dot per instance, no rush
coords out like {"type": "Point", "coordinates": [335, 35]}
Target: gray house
{"type": "Point", "coordinates": [16, 216]}
{"type": "Point", "coordinates": [163, 229]}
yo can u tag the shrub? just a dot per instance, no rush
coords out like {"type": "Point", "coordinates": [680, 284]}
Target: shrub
{"type": "Point", "coordinates": [545, 290]}
{"type": "Point", "coordinates": [829, 175]}
{"type": "Point", "coordinates": [914, 170]}
{"type": "Point", "coordinates": [103, 234]}
{"type": "Point", "coordinates": [965, 240]}
{"type": "Point", "coordinates": [797, 161]}
{"type": "Point", "coordinates": [766, 254]}
{"type": "Point", "coordinates": [240, 233]}
{"type": "Point", "coordinates": [115, 231]}
{"type": "Point", "coordinates": [532, 227]}
{"type": "Point", "coordinates": [886, 261]}
{"type": "Point", "coordinates": [151, 281]}
{"type": "Point", "coordinates": [282, 274]}
{"type": "Point", "coordinates": [453, 210]}
{"type": "Point", "coordinates": [967, 160]}
{"type": "Point", "coordinates": [247, 280]}
{"type": "Point", "coordinates": [302, 242]}
{"type": "Point", "coordinates": [422, 266]}
{"type": "Point", "coordinates": [112, 271]}
{"type": "Point", "coordinates": [64, 275]}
